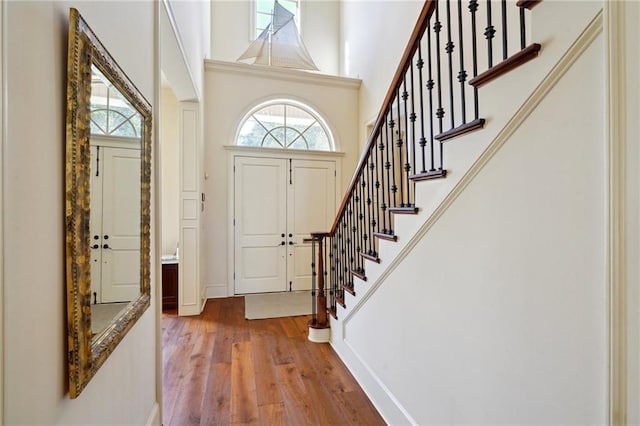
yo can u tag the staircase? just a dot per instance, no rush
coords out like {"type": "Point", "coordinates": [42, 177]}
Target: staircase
{"type": "Point", "coordinates": [434, 109]}
{"type": "Point", "coordinates": [433, 99]}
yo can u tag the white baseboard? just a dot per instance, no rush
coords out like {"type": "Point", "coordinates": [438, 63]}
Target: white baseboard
{"type": "Point", "coordinates": [385, 402]}
{"type": "Point", "coordinates": [154, 416]}
{"type": "Point", "coordinates": [215, 291]}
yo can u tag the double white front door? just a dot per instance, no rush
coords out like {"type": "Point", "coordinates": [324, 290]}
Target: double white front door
{"type": "Point", "coordinates": [115, 223]}
{"type": "Point", "coordinates": [278, 203]}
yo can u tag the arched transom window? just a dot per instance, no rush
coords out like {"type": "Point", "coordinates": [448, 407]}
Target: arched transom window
{"type": "Point", "coordinates": [285, 124]}
{"type": "Point", "coordinates": [111, 112]}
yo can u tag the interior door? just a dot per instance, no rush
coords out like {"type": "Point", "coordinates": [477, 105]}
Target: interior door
{"type": "Point", "coordinates": [120, 225]}
{"type": "Point", "coordinates": [278, 203]}
{"type": "Point", "coordinates": [310, 208]}
{"type": "Point", "coordinates": [95, 223]}
{"type": "Point", "coordinates": [260, 225]}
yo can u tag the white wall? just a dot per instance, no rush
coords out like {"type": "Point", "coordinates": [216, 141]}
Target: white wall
{"type": "Point", "coordinates": [373, 38]}
{"type": "Point", "coordinates": [192, 19]}
{"type": "Point", "coordinates": [124, 390]}
{"type": "Point", "coordinates": [231, 91]}
{"type": "Point", "coordinates": [320, 30]}
{"type": "Point", "coordinates": [499, 313]}
{"type": "Point", "coordinates": [507, 291]}
{"type": "Point", "coordinates": [170, 153]}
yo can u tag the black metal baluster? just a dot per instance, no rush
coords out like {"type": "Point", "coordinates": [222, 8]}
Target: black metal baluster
{"type": "Point", "coordinates": [394, 187]}
{"type": "Point", "coordinates": [370, 204]}
{"type": "Point", "coordinates": [314, 309]}
{"type": "Point", "coordinates": [363, 217]}
{"type": "Point", "coordinates": [423, 140]}
{"type": "Point", "coordinates": [413, 117]}
{"type": "Point", "coordinates": [522, 29]}
{"type": "Point", "coordinates": [399, 143]}
{"type": "Point", "coordinates": [357, 237]}
{"type": "Point", "coordinates": [379, 202]}
{"type": "Point", "coordinates": [489, 33]}
{"type": "Point", "coordinates": [383, 206]}
{"type": "Point", "coordinates": [437, 27]}
{"type": "Point", "coordinates": [388, 144]}
{"type": "Point", "coordinates": [473, 7]}
{"type": "Point", "coordinates": [505, 51]}
{"type": "Point", "coordinates": [352, 242]}
{"type": "Point", "coordinates": [449, 48]}
{"type": "Point", "coordinates": [440, 113]}
{"type": "Point", "coordinates": [462, 74]}
{"type": "Point", "coordinates": [345, 262]}
{"type": "Point", "coordinates": [430, 86]}
{"type": "Point", "coordinates": [407, 165]}
{"type": "Point", "coordinates": [332, 265]}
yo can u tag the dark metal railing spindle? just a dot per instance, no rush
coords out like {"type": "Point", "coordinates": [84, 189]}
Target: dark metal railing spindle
{"type": "Point", "coordinates": [437, 27]}
{"type": "Point", "coordinates": [473, 8]}
{"type": "Point", "coordinates": [462, 74]}
{"type": "Point", "coordinates": [379, 211]}
{"type": "Point", "coordinates": [314, 278]}
{"type": "Point", "coordinates": [449, 48]}
{"type": "Point", "coordinates": [407, 164]}
{"type": "Point", "coordinates": [383, 206]}
{"type": "Point", "coordinates": [397, 157]}
{"type": "Point", "coordinates": [523, 30]}
{"type": "Point", "coordinates": [413, 118]}
{"type": "Point", "coordinates": [423, 140]}
{"type": "Point", "coordinates": [370, 204]}
{"type": "Point", "coordinates": [489, 33]}
{"type": "Point", "coordinates": [394, 186]}
{"type": "Point", "coordinates": [505, 50]}
{"type": "Point", "coordinates": [430, 86]}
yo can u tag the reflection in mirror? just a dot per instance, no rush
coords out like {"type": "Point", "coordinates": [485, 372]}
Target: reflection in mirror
{"type": "Point", "coordinates": [115, 202]}
{"type": "Point", "coordinates": [107, 204]}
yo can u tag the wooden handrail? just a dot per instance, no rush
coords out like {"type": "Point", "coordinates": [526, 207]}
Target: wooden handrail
{"type": "Point", "coordinates": [405, 62]}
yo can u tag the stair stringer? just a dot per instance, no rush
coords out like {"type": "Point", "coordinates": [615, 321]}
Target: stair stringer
{"type": "Point", "coordinates": [527, 87]}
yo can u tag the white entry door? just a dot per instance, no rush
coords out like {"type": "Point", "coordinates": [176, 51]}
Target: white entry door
{"type": "Point", "coordinates": [278, 203]}
{"type": "Point", "coordinates": [115, 224]}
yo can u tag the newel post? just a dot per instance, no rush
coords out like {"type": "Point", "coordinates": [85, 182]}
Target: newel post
{"type": "Point", "coordinates": [319, 328]}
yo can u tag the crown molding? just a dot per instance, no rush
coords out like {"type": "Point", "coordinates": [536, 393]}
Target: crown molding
{"type": "Point", "coordinates": [282, 74]}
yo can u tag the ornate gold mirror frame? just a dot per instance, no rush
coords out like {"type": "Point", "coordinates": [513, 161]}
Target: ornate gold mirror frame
{"type": "Point", "coordinates": [86, 351]}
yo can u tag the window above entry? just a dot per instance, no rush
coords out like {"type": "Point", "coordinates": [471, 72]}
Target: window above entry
{"type": "Point", "coordinates": [111, 112]}
{"type": "Point", "coordinates": [263, 13]}
{"type": "Point", "coordinates": [285, 124]}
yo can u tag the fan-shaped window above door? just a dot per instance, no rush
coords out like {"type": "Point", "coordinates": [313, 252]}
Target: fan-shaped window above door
{"type": "Point", "coordinates": [111, 112]}
{"type": "Point", "coordinates": [285, 124]}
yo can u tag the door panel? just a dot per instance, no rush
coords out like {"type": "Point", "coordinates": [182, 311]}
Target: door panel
{"type": "Point", "coordinates": [95, 223]}
{"type": "Point", "coordinates": [260, 221]}
{"type": "Point", "coordinates": [311, 204]}
{"type": "Point", "coordinates": [276, 196]}
{"type": "Point", "coordinates": [120, 225]}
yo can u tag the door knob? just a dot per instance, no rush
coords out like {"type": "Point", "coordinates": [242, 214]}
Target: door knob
{"type": "Point", "coordinates": [281, 243]}
{"type": "Point", "coordinates": [290, 235]}
{"type": "Point", "coordinates": [291, 243]}
{"type": "Point", "coordinates": [95, 246]}
{"type": "Point", "coordinates": [106, 246]}
{"type": "Point", "coordinates": [282, 235]}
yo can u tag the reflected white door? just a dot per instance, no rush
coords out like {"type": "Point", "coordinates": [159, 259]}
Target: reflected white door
{"type": "Point", "coordinates": [121, 225]}
{"type": "Point", "coordinates": [278, 203]}
{"type": "Point", "coordinates": [115, 224]}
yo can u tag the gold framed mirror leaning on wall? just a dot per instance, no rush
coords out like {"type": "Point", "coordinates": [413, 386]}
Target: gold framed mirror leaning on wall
{"type": "Point", "coordinates": [107, 202]}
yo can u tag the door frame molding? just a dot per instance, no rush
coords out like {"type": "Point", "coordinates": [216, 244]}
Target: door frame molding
{"type": "Point", "coordinates": [234, 151]}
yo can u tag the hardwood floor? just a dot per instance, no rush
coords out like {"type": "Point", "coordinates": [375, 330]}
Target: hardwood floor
{"type": "Point", "coordinates": [220, 369]}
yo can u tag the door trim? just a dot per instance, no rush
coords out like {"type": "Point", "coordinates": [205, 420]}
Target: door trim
{"type": "Point", "coordinates": [236, 151]}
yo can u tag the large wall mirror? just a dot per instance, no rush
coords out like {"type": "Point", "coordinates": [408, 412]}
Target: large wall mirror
{"type": "Point", "coordinates": [108, 175]}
